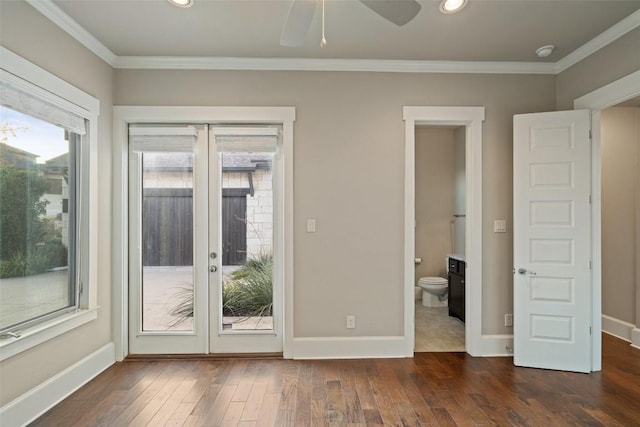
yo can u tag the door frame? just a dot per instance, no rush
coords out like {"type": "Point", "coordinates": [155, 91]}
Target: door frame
{"type": "Point", "coordinates": [607, 96]}
{"type": "Point", "coordinates": [125, 115]}
{"type": "Point", "coordinates": [471, 118]}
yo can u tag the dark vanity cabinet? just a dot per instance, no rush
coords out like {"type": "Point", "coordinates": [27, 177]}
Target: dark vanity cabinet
{"type": "Point", "coordinates": [456, 288]}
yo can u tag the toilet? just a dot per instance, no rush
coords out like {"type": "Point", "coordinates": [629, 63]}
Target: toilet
{"type": "Point", "coordinates": [434, 291]}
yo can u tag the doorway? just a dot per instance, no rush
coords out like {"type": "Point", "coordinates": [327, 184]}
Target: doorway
{"type": "Point", "coordinates": [440, 238]}
{"type": "Point", "coordinates": [202, 276]}
{"type": "Point", "coordinates": [470, 118]}
{"type": "Point", "coordinates": [620, 148]}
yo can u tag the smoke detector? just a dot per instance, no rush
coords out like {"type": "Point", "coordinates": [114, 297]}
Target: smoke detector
{"type": "Point", "coordinates": [545, 50]}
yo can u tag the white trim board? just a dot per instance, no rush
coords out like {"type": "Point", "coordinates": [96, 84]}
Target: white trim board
{"type": "Point", "coordinates": [471, 118]}
{"type": "Point", "coordinates": [50, 10]}
{"type": "Point", "coordinates": [617, 328]}
{"type": "Point", "coordinates": [32, 404]}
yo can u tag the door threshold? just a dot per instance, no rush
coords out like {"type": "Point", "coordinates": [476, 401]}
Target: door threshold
{"type": "Point", "coordinates": [209, 356]}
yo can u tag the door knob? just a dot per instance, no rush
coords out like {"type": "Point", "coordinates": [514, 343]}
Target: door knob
{"type": "Point", "coordinates": [213, 269]}
{"type": "Point", "coordinates": [524, 271]}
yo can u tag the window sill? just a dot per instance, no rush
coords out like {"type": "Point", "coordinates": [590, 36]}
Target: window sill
{"type": "Point", "coordinates": [38, 334]}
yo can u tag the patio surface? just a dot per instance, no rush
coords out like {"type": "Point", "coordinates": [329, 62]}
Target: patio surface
{"type": "Point", "coordinates": [23, 298]}
{"type": "Point", "coordinates": [162, 289]}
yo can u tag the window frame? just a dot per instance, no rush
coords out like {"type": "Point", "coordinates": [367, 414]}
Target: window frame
{"type": "Point", "coordinates": [40, 83]}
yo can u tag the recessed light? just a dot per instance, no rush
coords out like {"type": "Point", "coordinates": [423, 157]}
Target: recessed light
{"type": "Point", "coordinates": [181, 3]}
{"type": "Point", "coordinates": [545, 50]}
{"type": "Point", "coordinates": [452, 6]}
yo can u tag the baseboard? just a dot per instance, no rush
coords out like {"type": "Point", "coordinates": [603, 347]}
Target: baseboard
{"type": "Point", "coordinates": [40, 399]}
{"type": "Point", "coordinates": [493, 346]}
{"type": "Point", "coordinates": [616, 327]}
{"type": "Point", "coordinates": [635, 338]}
{"type": "Point", "coordinates": [349, 347]}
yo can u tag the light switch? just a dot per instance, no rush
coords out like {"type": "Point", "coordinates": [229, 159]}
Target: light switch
{"type": "Point", "coordinates": [311, 225]}
{"type": "Point", "coordinates": [500, 226]}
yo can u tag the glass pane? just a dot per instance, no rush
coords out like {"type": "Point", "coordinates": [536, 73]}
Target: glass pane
{"type": "Point", "coordinates": [247, 240]}
{"type": "Point", "coordinates": [167, 242]}
{"type": "Point", "coordinates": [37, 232]}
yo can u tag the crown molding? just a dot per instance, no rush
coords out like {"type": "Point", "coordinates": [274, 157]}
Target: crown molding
{"type": "Point", "coordinates": [608, 36]}
{"type": "Point", "coordinates": [68, 24]}
{"type": "Point", "coordinates": [310, 64]}
{"type": "Point", "coordinates": [75, 30]}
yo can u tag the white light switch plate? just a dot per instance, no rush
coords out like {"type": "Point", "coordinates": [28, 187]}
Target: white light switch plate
{"type": "Point", "coordinates": [311, 225]}
{"type": "Point", "coordinates": [500, 226]}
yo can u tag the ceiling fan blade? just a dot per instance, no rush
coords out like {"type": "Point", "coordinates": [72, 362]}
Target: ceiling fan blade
{"type": "Point", "coordinates": [298, 21]}
{"type": "Point", "coordinates": [397, 11]}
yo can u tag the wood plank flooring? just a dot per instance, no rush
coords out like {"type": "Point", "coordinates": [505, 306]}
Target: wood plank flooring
{"type": "Point", "coordinates": [432, 389]}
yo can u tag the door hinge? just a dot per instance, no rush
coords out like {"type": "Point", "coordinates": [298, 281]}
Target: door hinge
{"type": "Point", "coordinates": [589, 198]}
{"type": "Point", "coordinates": [590, 134]}
{"type": "Point", "coordinates": [589, 265]}
{"type": "Point", "coordinates": [589, 330]}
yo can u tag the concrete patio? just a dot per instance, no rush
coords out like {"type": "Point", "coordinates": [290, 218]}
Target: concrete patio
{"type": "Point", "coordinates": [163, 288]}
{"type": "Point", "coordinates": [24, 298]}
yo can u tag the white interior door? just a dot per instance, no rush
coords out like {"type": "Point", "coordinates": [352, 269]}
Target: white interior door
{"type": "Point", "coordinates": [552, 240]}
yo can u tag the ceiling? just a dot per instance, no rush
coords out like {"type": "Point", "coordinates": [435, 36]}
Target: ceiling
{"type": "Point", "coordinates": [485, 30]}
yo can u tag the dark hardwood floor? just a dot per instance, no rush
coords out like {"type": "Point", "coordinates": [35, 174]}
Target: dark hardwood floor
{"type": "Point", "coordinates": [433, 389]}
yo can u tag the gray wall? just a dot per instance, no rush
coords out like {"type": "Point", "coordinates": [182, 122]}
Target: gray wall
{"type": "Point", "coordinates": [460, 193]}
{"type": "Point", "coordinates": [55, 51]}
{"type": "Point", "coordinates": [620, 138]}
{"type": "Point", "coordinates": [434, 199]}
{"type": "Point", "coordinates": [349, 169]}
{"type": "Point", "coordinates": [620, 58]}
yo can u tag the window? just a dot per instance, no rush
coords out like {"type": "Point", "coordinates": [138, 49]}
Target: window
{"type": "Point", "coordinates": [47, 205]}
{"type": "Point", "coordinates": [38, 251]}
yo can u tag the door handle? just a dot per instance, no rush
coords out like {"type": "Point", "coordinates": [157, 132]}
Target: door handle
{"type": "Point", "coordinates": [524, 271]}
{"type": "Point", "coordinates": [213, 269]}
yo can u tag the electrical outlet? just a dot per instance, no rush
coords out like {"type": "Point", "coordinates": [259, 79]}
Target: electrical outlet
{"type": "Point", "coordinates": [508, 320]}
{"type": "Point", "coordinates": [351, 322]}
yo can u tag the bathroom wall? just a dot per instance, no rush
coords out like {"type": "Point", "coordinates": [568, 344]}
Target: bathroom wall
{"type": "Point", "coordinates": [435, 182]}
{"type": "Point", "coordinates": [460, 194]}
{"type": "Point", "coordinates": [620, 140]}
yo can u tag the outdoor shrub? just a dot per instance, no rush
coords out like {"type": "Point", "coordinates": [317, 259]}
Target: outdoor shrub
{"type": "Point", "coordinates": [248, 293]}
{"type": "Point", "coordinates": [250, 290]}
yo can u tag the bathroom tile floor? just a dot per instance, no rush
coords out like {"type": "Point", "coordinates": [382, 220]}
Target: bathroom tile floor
{"type": "Point", "coordinates": [436, 331]}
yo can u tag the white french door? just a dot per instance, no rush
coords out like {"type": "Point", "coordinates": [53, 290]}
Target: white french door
{"type": "Point", "coordinates": [245, 240]}
{"type": "Point", "coordinates": [552, 240]}
{"type": "Point", "coordinates": [204, 240]}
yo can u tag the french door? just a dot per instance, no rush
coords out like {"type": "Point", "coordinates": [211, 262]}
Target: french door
{"type": "Point", "coordinates": [205, 272]}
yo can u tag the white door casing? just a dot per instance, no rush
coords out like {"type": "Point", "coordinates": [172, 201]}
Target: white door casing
{"type": "Point", "coordinates": [552, 240]}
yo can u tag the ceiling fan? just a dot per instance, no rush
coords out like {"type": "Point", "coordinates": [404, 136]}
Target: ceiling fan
{"type": "Point", "coordinates": [301, 14]}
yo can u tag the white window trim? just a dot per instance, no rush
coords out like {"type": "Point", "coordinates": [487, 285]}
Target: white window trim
{"type": "Point", "coordinates": [45, 85]}
{"type": "Point", "coordinates": [125, 115]}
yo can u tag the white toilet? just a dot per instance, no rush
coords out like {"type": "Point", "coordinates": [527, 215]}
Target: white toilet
{"type": "Point", "coordinates": [434, 291]}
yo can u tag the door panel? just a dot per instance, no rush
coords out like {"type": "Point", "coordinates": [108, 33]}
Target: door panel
{"type": "Point", "coordinates": [167, 288]}
{"type": "Point", "coordinates": [246, 285]}
{"type": "Point", "coordinates": [552, 244]}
